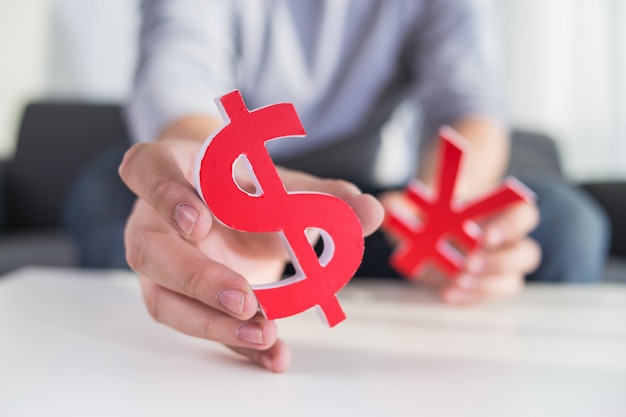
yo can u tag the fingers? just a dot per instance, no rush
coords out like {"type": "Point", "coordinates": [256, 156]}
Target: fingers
{"type": "Point", "coordinates": [522, 256]}
{"type": "Point", "coordinates": [511, 225]}
{"type": "Point", "coordinates": [506, 227]}
{"type": "Point", "coordinates": [395, 200]}
{"type": "Point", "coordinates": [256, 338]}
{"type": "Point", "coordinates": [493, 274]}
{"type": "Point", "coordinates": [199, 320]}
{"type": "Point", "coordinates": [498, 269]}
{"type": "Point", "coordinates": [368, 209]}
{"type": "Point", "coordinates": [168, 243]}
{"type": "Point", "coordinates": [495, 271]}
{"type": "Point", "coordinates": [276, 358]}
{"type": "Point", "coordinates": [151, 171]}
{"type": "Point", "coordinates": [174, 263]}
{"type": "Point", "coordinates": [469, 289]}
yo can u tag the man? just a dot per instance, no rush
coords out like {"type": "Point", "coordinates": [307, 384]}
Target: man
{"type": "Point", "coordinates": [346, 65]}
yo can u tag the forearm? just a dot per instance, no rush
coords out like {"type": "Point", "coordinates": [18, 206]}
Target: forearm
{"type": "Point", "coordinates": [194, 127]}
{"type": "Point", "coordinates": [484, 161]}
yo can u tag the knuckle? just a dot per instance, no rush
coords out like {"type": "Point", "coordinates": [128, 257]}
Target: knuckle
{"type": "Point", "coordinates": [152, 300]}
{"type": "Point", "coordinates": [136, 250]}
{"type": "Point", "coordinates": [504, 266]}
{"type": "Point", "coordinates": [191, 282]}
{"type": "Point", "coordinates": [158, 191]}
{"type": "Point", "coordinates": [535, 251]}
{"type": "Point", "coordinates": [129, 160]}
{"type": "Point", "coordinates": [506, 285]}
{"type": "Point", "coordinates": [533, 217]}
{"type": "Point", "coordinates": [206, 328]}
{"type": "Point", "coordinates": [340, 186]}
{"type": "Point", "coordinates": [516, 283]}
{"type": "Point", "coordinates": [501, 263]}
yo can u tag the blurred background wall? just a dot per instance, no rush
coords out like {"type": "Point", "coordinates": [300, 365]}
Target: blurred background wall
{"type": "Point", "coordinates": [566, 72]}
{"type": "Point", "coordinates": [564, 60]}
{"type": "Point", "coordinates": [67, 49]}
{"type": "Point", "coordinates": [23, 61]}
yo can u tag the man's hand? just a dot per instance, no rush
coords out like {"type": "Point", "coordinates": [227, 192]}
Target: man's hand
{"type": "Point", "coordinates": [497, 269]}
{"type": "Point", "coordinates": [195, 273]}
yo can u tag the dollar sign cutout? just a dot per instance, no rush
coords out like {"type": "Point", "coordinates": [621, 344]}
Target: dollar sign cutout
{"type": "Point", "coordinates": [272, 209]}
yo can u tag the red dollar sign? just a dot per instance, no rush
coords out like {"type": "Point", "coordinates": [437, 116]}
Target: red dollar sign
{"type": "Point", "coordinates": [273, 209]}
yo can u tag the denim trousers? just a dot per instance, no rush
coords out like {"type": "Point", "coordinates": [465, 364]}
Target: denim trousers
{"type": "Point", "coordinates": [573, 232]}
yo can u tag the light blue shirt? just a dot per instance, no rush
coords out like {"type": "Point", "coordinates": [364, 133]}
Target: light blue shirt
{"type": "Point", "coordinates": [345, 64]}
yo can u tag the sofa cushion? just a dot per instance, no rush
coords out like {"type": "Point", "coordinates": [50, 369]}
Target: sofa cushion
{"type": "Point", "coordinates": [36, 248]}
{"type": "Point", "coordinates": [612, 197]}
{"type": "Point", "coordinates": [4, 195]}
{"type": "Point", "coordinates": [533, 154]}
{"type": "Point", "coordinates": [55, 140]}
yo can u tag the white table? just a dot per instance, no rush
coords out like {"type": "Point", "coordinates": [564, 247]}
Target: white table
{"type": "Point", "coordinates": [74, 343]}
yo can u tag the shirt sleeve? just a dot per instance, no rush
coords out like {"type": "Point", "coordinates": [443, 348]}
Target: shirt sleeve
{"type": "Point", "coordinates": [456, 63]}
{"type": "Point", "coordinates": [187, 50]}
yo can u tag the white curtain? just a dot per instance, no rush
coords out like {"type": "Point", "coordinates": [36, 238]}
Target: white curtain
{"type": "Point", "coordinates": [566, 69]}
{"type": "Point", "coordinates": [93, 48]}
{"type": "Point", "coordinates": [23, 52]}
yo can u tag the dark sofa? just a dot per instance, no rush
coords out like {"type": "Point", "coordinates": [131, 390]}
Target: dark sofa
{"type": "Point", "coordinates": [55, 140]}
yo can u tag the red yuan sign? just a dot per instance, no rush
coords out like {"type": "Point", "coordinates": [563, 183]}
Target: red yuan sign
{"type": "Point", "coordinates": [272, 209]}
{"type": "Point", "coordinates": [443, 221]}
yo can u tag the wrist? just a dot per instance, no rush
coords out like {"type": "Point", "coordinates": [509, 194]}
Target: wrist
{"type": "Point", "coordinates": [194, 128]}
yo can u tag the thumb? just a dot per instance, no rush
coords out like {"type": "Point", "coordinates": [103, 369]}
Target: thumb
{"type": "Point", "coordinates": [151, 172]}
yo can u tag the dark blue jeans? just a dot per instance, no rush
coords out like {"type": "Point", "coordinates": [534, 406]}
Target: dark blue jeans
{"type": "Point", "coordinates": [97, 209]}
{"type": "Point", "coordinates": [573, 231]}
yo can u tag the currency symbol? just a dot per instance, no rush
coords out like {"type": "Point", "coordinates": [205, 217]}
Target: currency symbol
{"type": "Point", "coordinates": [272, 209]}
{"type": "Point", "coordinates": [444, 221]}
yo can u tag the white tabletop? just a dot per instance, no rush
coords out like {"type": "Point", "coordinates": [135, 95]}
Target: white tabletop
{"type": "Point", "coordinates": [74, 343]}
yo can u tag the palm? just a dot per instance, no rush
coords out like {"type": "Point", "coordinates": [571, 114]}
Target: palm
{"type": "Point", "coordinates": [260, 257]}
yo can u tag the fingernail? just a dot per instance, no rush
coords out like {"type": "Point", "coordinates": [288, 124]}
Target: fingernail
{"type": "Point", "coordinates": [466, 281]}
{"type": "Point", "coordinates": [185, 218]}
{"type": "Point", "coordinates": [250, 333]}
{"type": "Point", "coordinates": [232, 300]}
